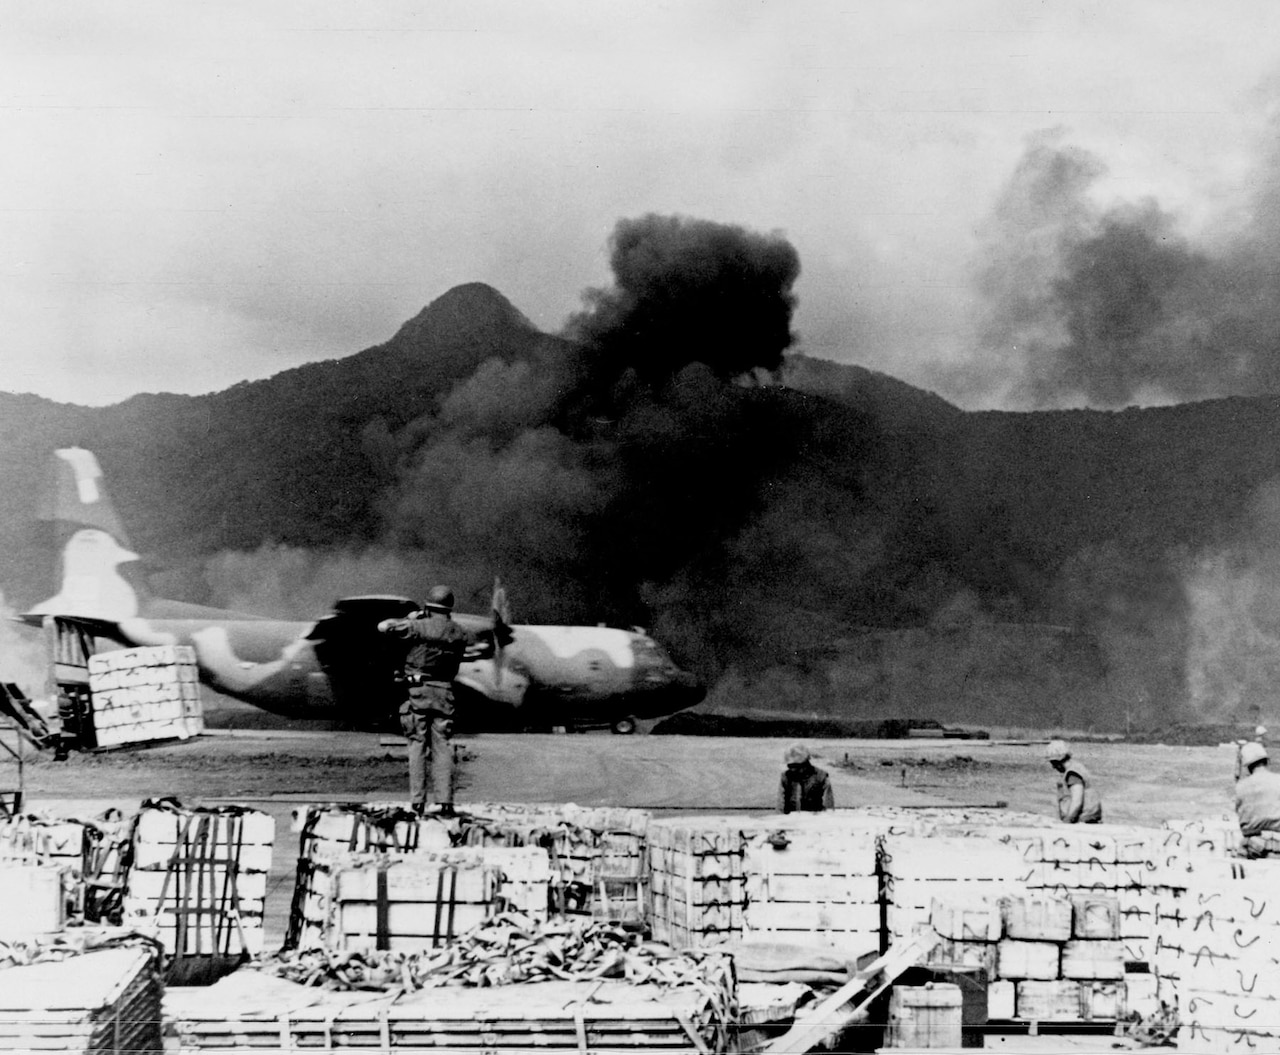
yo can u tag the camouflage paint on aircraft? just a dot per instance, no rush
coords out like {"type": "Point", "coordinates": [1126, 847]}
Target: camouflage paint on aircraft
{"type": "Point", "coordinates": [339, 667]}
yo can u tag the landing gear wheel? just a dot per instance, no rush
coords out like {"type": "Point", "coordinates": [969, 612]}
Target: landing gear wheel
{"type": "Point", "coordinates": [624, 726]}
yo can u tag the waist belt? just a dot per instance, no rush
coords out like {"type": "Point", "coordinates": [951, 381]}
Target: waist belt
{"type": "Point", "coordinates": [422, 679]}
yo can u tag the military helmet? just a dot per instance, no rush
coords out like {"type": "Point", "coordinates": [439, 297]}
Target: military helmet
{"type": "Point", "coordinates": [1251, 754]}
{"type": "Point", "coordinates": [1057, 751]}
{"type": "Point", "coordinates": [797, 753]}
{"type": "Point", "coordinates": [439, 598]}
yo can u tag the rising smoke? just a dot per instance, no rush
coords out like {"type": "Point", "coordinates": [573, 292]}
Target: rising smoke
{"type": "Point", "coordinates": [611, 470]}
{"type": "Point", "coordinates": [639, 471]}
{"type": "Point", "coordinates": [689, 291]}
{"type": "Point", "coordinates": [1109, 305]}
{"type": "Point", "coordinates": [611, 475]}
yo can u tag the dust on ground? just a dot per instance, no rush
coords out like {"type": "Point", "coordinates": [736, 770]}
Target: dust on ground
{"type": "Point", "coordinates": [1139, 783]}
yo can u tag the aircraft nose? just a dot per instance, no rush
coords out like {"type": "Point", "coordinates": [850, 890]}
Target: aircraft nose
{"type": "Point", "coordinates": [690, 686]}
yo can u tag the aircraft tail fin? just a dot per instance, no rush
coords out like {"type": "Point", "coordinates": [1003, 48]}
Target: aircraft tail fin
{"type": "Point", "coordinates": [87, 532]}
{"type": "Point", "coordinates": [77, 496]}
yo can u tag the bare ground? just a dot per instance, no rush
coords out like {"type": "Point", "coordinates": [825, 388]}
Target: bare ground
{"type": "Point", "coordinates": [276, 771]}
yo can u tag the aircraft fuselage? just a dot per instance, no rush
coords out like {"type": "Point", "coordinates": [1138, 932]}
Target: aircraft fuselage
{"type": "Point", "coordinates": [552, 675]}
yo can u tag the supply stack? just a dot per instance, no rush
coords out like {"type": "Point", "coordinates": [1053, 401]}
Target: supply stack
{"type": "Point", "coordinates": [38, 851]}
{"type": "Point", "coordinates": [512, 983]}
{"type": "Point", "coordinates": [917, 869]}
{"type": "Point", "coordinates": [143, 694]}
{"type": "Point", "coordinates": [440, 877]}
{"type": "Point", "coordinates": [1219, 946]}
{"type": "Point", "coordinates": [597, 854]}
{"type": "Point", "coordinates": [1125, 863]}
{"type": "Point", "coordinates": [798, 877]}
{"type": "Point", "coordinates": [415, 900]}
{"type": "Point", "coordinates": [81, 998]}
{"type": "Point", "coordinates": [197, 882]}
{"type": "Point", "coordinates": [1048, 959]}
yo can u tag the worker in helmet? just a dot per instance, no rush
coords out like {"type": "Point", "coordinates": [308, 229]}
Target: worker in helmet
{"type": "Point", "coordinates": [1259, 737]}
{"type": "Point", "coordinates": [804, 787]}
{"type": "Point", "coordinates": [1257, 800]}
{"type": "Point", "coordinates": [435, 646]}
{"type": "Point", "coordinates": [1078, 801]}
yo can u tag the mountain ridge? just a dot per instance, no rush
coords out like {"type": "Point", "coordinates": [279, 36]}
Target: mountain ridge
{"type": "Point", "coordinates": [843, 497]}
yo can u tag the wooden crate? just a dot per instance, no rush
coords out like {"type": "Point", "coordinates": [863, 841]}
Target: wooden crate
{"type": "Point", "coordinates": [419, 900]}
{"type": "Point", "coordinates": [915, 870]}
{"type": "Point", "coordinates": [198, 884]}
{"type": "Point", "coordinates": [33, 900]}
{"type": "Point", "coordinates": [144, 694]}
{"type": "Point", "coordinates": [792, 877]}
{"type": "Point", "coordinates": [106, 1000]}
{"type": "Point", "coordinates": [597, 854]}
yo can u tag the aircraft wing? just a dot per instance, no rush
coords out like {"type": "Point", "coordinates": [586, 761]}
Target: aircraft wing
{"type": "Point", "coordinates": [98, 627]}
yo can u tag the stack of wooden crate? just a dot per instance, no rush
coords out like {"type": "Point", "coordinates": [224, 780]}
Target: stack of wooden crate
{"type": "Point", "coordinates": [369, 826]}
{"type": "Point", "coordinates": [198, 882]}
{"type": "Point", "coordinates": [597, 854]}
{"type": "Point", "coordinates": [1219, 944]}
{"type": "Point", "coordinates": [697, 878]}
{"type": "Point", "coordinates": [414, 900]}
{"type": "Point", "coordinates": [1139, 867]}
{"type": "Point", "coordinates": [917, 869]}
{"type": "Point", "coordinates": [809, 878]}
{"type": "Point", "coordinates": [813, 881]}
{"type": "Point", "coordinates": [1211, 836]}
{"type": "Point", "coordinates": [141, 694]}
{"type": "Point", "coordinates": [104, 1001]}
{"type": "Point", "coordinates": [61, 845]}
{"type": "Point", "coordinates": [91, 855]}
{"type": "Point", "coordinates": [1048, 959]}
{"type": "Point", "coordinates": [35, 839]}
{"type": "Point", "coordinates": [325, 832]}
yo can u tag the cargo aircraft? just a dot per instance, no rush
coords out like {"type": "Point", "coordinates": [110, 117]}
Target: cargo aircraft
{"type": "Point", "coordinates": [339, 667]}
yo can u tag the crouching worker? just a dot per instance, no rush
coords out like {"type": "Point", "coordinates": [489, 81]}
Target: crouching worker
{"type": "Point", "coordinates": [804, 787]}
{"type": "Point", "coordinates": [1258, 802]}
{"type": "Point", "coordinates": [435, 647]}
{"type": "Point", "coordinates": [1078, 801]}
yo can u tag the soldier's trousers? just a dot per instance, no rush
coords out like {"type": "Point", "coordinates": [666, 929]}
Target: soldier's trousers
{"type": "Point", "coordinates": [430, 738]}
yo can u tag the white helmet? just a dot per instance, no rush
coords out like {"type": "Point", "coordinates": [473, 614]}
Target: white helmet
{"type": "Point", "coordinates": [1251, 754]}
{"type": "Point", "coordinates": [1057, 751]}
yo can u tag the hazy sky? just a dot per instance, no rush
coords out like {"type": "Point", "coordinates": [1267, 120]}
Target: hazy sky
{"type": "Point", "coordinates": [198, 193]}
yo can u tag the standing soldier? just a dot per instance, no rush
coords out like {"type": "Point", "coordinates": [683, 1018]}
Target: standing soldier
{"type": "Point", "coordinates": [1078, 801]}
{"type": "Point", "coordinates": [804, 787]}
{"type": "Point", "coordinates": [435, 647]}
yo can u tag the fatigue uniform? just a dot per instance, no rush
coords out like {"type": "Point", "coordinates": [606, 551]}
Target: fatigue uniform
{"type": "Point", "coordinates": [435, 650]}
{"type": "Point", "coordinates": [1091, 811]}
{"type": "Point", "coordinates": [1258, 807]}
{"type": "Point", "coordinates": [807, 790]}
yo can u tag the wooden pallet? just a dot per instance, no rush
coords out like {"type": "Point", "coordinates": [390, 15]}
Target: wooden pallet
{"type": "Point", "coordinates": [249, 1011]}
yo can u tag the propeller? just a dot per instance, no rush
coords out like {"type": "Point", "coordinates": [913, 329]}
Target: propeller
{"type": "Point", "coordinates": [501, 627]}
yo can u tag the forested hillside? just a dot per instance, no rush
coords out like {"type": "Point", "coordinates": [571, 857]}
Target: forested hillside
{"type": "Point", "coordinates": [763, 529]}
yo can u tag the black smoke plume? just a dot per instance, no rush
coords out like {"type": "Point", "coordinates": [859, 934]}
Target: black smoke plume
{"type": "Point", "coordinates": [608, 478]}
{"type": "Point", "coordinates": [688, 291]}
